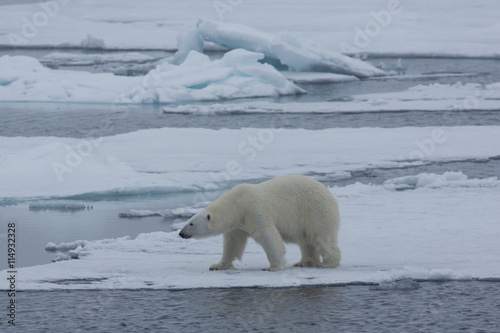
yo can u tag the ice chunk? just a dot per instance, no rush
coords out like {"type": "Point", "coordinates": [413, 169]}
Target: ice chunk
{"type": "Point", "coordinates": [133, 213]}
{"type": "Point", "coordinates": [181, 212]}
{"type": "Point", "coordinates": [64, 247]}
{"type": "Point", "coordinates": [424, 180]}
{"type": "Point", "coordinates": [402, 284]}
{"type": "Point", "coordinates": [186, 42]}
{"type": "Point", "coordinates": [296, 57]}
{"type": "Point", "coordinates": [237, 75]}
{"type": "Point", "coordinates": [317, 78]}
{"type": "Point", "coordinates": [431, 180]}
{"type": "Point", "coordinates": [92, 42]}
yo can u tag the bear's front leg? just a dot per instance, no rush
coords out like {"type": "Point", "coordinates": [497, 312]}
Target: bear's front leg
{"type": "Point", "coordinates": [232, 248]}
{"type": "Point", "coordinates": [273, 245]}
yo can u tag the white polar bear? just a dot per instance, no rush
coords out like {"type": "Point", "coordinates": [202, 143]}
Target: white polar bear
{"type": "Point", "coordinates": [292, 209]}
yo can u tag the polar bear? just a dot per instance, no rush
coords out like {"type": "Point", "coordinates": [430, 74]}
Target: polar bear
{"type": "Point", "coordinates": [292, 209]}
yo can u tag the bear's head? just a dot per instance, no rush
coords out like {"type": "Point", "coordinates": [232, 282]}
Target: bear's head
{"type": "Point", "coordinates": [200, 225]}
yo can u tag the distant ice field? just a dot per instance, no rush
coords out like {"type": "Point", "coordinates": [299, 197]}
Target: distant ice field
{"type": "Point", "coordinates": [450, 28]}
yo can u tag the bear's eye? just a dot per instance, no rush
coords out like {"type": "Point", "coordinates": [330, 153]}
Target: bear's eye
{"type": "Point", "coordinates": [209, 217]}
{"type": "Point", "coordinates": [191, 223]}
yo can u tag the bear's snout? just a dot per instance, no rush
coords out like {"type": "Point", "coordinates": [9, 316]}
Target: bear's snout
{"type": "Point", "coordinates": [183, 235]}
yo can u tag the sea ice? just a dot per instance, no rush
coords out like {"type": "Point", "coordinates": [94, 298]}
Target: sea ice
{"type": "Point", "coordinates": [290, 53]}
{"type": "Point", "coordinates": [181, 212]}
{"type": "Point", "coordinates": [237, 75]}
{"type": "Point", "coordinates": [388, 238]}
{"type": "Point", "coordinates": [433, 97]}
{"type": "Point", "coordinates": [64, 247]}
{"type": "Point", "coordinates": [161, 160]}
{"type": "Point", "coordinates": [448, 179]}
{"type": "Point", "coordinates": [415, 28]}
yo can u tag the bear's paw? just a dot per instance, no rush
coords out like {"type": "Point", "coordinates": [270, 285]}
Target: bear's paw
{"type": "Point", "coordinates": [220, 267]}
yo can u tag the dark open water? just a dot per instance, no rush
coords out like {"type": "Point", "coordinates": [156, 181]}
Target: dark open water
{"type": "Point", "coordinates": [410, 307]}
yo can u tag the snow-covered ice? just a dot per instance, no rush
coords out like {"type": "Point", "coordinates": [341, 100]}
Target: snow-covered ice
{"type": "Point", "coordinates": [26, 79]}
{"type": "Point", "coordinates": [448, 179]}
{"type": "Point", "coordinates": [317, 78]}
{"type": "Point", "coordinates": [442, 227]}
{"type": "Point", "coordinates": [172, 159]}
{"type": "Point", "coordinates": [426, 234]}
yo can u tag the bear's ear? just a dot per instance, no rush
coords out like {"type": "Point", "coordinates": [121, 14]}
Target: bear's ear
{"type": "Point", "coordinates": [209, 217]}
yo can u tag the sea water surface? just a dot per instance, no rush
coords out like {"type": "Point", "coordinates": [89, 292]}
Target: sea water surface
{"type": "Point", "coordinates": [405, 306]}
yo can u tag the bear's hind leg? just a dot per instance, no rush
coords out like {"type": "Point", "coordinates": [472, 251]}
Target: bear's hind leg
{"type": "Point", "coordinates": [331, 256]}
{"type": "Point", "coordinates": [233, 247]}
{"type": "Point", "coordinates": [310, 257]}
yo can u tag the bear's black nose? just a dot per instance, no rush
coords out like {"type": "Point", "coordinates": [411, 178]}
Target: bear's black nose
{"type": "Point", "coordinates": [183, 235]}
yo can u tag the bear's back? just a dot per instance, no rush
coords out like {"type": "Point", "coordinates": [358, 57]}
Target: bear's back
{"type": "Point", "coordinates": [296, 197]}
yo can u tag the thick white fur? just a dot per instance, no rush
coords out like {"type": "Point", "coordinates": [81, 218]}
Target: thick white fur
{"type": "Point", "coordinates": [292, 209]}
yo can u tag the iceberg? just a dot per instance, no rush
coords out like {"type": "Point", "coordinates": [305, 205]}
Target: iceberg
{"type": "Point", "coordinates": [239, 74]}
{"type": "Point", "coordinates": [290, 53]}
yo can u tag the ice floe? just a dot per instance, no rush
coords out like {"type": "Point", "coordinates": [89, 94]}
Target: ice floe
{"type": "Point", "coordinates": [388, 238]}
{"type": "Point", "coordinates": [26, 79]}
{"type": "Point", "coordinates": [161, 160]}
